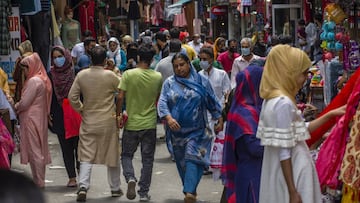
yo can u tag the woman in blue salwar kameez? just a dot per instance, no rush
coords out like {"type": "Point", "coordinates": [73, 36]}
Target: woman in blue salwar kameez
{"type": "Point", "coordinates": [185, 98]}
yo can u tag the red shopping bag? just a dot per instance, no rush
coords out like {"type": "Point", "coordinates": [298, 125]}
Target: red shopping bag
{"type": "Point", "coordinates": [72, 120]}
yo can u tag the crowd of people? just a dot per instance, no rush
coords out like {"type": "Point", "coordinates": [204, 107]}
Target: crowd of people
{"type": "Point", "coordinates": [202, 91]}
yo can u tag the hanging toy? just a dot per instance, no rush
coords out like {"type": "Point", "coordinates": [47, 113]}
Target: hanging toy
{"type": "Point", "coordinates": [354, 55]}
{"type": "Point", "coordinates": [335, 13]}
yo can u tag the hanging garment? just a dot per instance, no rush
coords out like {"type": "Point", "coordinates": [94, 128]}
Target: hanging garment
{"type": "Point", "coordinates": [5, 12]}
{"type": "Point", "coordinates": [134, 11]}
{"type": "Point", "coordinates": [156, 13]}
{"type": "Point", "coordinates": [350, 169]}
{"type": "Point", "coordinates": [87, 17]}
{"type": "Point", "coordinates": [180, 19]}
{"type": "Point", "coordinates": [29, 7]}
{"type": "Point", "coordinates": [332, 151]}
{"type": "Point", "coordinates": [167, 17]}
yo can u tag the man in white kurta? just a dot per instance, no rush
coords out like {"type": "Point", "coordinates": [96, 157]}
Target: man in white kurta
{"type": "Point", "coordinates": [99, 136]}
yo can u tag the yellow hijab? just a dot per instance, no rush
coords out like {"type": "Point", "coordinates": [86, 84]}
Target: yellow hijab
{"type": "Point", "coordinates": [283, 66]}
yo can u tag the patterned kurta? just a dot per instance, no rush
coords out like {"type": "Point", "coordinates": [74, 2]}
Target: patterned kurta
{"type": "Point", "coordinates": [99, 136]}
{"type": "Point", "coordinates": [188, 107]}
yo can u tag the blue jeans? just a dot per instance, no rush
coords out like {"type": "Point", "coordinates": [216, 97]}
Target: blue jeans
{"type": "Point", "coordinates": [130, 142]}
{"type": "Point", "coordinates": [189, 171]}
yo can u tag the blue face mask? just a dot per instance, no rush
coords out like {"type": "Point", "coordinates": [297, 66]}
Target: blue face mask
{"type": "Point", "coordinates": [204, 65]}
{"type": "Point", "coordinates": [59, 61]}
{"type": "Point", "coordinates": [245, 51]}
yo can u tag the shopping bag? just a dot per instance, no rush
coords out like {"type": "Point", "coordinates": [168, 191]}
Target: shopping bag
{"type": "Point", "coordinates": [72, 120]}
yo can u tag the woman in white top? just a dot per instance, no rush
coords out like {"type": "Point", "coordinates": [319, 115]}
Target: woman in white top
{"type": "Point", "coordinates": [288, 173]}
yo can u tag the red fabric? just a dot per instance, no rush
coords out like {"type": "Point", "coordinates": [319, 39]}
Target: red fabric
{"type": "Point", "coordinates": [332, 151]}
{"type": "Point", "coordinates": [87, 17]}
{"type": "Point", "coordinates": [338, 101]}
{"type": "Point", "coordinates": [307, 11]}
{"type": "Point", "coordinates": [72, 120]}
{"type": "Point", "coordinates": [6, 146]}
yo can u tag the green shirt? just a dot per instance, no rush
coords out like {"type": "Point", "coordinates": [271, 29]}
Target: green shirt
{"type": "Point", "coordinates": [142, 87]}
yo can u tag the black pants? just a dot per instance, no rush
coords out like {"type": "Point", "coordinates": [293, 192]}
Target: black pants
{"type": "Point", "coordinates": [69, 152]}
{"type": "Point", "coordinates": [40, 34]}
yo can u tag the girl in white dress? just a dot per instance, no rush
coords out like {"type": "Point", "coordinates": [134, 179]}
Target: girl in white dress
{"type": "Point", "coordinates": [288, 173]}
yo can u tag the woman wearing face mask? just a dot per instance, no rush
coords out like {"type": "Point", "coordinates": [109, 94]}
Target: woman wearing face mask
{"type": "Point", "coordinates": [183, 94]}
{"type": "Point", "coordinates": [62, 75]}
{"type": "Point", "coordinates": [220, 83]}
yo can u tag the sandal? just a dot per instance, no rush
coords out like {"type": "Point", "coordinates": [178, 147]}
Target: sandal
{"type": "Point", "coordinates": [72, 183]}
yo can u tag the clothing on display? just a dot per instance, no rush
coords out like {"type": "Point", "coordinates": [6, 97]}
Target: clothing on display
{"type": "Point", "coordinates": [134, 11]}
{"type": "Point", "coordinates": [87, 17]}
{"type": "Point", "coordinates": [5, 12]}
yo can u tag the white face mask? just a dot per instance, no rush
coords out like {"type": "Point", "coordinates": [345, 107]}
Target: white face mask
{"type": "Point", "coordinates": [198, 41]}
{"type": "Point", "coordinates": [204, 65]}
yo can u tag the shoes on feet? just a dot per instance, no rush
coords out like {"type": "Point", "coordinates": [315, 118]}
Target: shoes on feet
{"type": "Point", "coordinates": [117, 193]}
{"type": "Point", "coordinates": [81, 195]}
{"type": "Point", "coordinates": [145, 198]}
{"type": "Point", "coordinates": [131, 193]}
{"type": "Point", "coordinates": [72, 182]}
{"type": "Point", "coordinates": [189, 198]}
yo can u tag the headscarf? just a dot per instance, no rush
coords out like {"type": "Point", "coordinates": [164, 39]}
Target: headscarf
{"type": "Point", "coordinates": [62, 77]}
{"type": "Point", "coordinates": [242, 118]}
{"type": "Point", "coordinates": [112, 54]}
{"type": "Point", "coordinates": [25, 47]}
{"type": "Point", "coordinates": [283, 65]}
{"type": "Point", "coordinates": [216, 46]}
{"type": "Point", "coordinates": [37, 69]}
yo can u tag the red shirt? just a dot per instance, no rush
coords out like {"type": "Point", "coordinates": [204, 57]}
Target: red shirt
{"type": "Point", "coordinates": [226, 61]}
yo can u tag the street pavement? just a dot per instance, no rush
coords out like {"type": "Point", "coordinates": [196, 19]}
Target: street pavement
{"type": "Point", "coordinates": [165, 187]}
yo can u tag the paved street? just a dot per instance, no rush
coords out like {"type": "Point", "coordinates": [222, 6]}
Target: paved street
{"type": "Point", "coordinates": [165, 188]}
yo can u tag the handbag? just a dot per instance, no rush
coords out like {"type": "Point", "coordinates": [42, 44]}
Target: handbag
{"type": "Point", "coordinates": [72, 120]}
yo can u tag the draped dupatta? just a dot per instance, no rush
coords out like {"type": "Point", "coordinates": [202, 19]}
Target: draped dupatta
{"type": "Point", "coordinates": [242, 119]}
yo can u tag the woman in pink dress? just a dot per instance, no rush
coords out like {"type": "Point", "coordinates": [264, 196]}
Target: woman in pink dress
{"type": "Point", "coordinates": [33, 110]}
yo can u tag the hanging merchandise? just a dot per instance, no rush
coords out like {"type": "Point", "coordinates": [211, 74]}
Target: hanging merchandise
{"type": "Point", "coordinates": [87, 17]}
{"type": "Point", "coordinates": [335, 12]}
{"type": "Point", "coordinates": [354, 55]}
{"type": "Point", "coordinates": [180, 19]}
{"type": "Point", "coordinates": [5, 12]}
{"type": "Point", "coordinates": [134, 11]}
{"type": "Point", "coordinates": [156, 13]}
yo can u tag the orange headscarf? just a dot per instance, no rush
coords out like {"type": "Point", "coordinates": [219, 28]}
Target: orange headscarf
{"type": "Point", "coordinates": [37, 69]}
{"type": "Point", "coordinates": [216, 46]}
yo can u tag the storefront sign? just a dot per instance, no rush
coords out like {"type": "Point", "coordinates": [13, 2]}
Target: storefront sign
{"type": "Point", "coordinates": [7, 63]}
{"type": "Point", "coordinates": [219, 10]}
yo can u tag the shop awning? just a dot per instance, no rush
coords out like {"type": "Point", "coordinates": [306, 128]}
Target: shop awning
{"type": "Point", "coordinates": [179, 3]}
